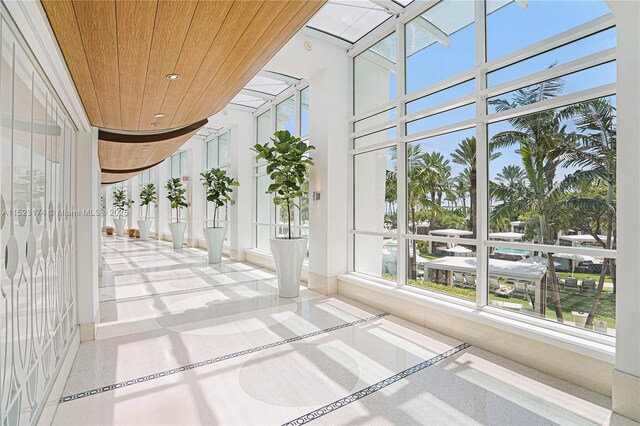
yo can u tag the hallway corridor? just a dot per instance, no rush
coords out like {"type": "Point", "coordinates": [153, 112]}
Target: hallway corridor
{"type": "Point", "coordinates": [184, 342]}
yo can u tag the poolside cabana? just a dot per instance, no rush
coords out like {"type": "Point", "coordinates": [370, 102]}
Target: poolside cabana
{"type": "Point", "coordinates": [580, 240]}
{"type": "Point", "coordinates": [448, 233]}
{"type": "Point", "coordinates": [441, 270]}
{"type": "Point", "coordinates": [511, 237]}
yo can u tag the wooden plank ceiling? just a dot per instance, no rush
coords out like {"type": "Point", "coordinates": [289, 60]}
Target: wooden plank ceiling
{"type": "Point", "coordinates": [120, 52]}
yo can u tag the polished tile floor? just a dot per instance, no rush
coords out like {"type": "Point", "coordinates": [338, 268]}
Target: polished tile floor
{"type": "Point", "coordinates": [185, 342]}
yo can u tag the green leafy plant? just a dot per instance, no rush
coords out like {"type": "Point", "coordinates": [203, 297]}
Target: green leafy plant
{"type": "Point", "coordinates": [147, 196]}
{"type": "Point", "coordinates": [287, 165]}
{"type": "Point", "coordinates": [176, 195]}
{"type": "Point", "coordinates": [121, 202]}
{"type": "Point", "coordinates": [218, 186]}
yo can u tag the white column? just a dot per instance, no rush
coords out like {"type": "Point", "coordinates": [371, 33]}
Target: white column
{"type": "Point", "coordinates": [88, 233]}
{"type": "Point", "coordinates": [242, 163]}
{"type": "Point", "coordinates": [328, 217]}
{"type": "Point", "coordinates": [626, 376]}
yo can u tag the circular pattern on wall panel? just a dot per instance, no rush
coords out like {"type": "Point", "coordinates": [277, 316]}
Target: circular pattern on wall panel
{"type": "Point", "coordinates": [11, 257]}
{"type": "Point", "coordinates": [3, 211]}
{"type": "Point", "coordinates": [31, 249]}
{"type": "Point", "coordinates": [37, 210]}
{"type": "Point", "coordinates": [44, 244]}
{"type": "Point", "coordinates": [21, 206]}
{"type": "Point", "coordinates": [299, 374]}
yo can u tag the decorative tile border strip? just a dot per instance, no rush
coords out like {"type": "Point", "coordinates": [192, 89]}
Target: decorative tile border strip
{"type": "Point", "coordinates": [215, 360]}
{"type": "Point", "coordinates": [342, 402]}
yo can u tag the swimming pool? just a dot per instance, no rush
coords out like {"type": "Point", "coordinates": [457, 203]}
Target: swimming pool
{"type": "Point", "coordinates": [512, 251]}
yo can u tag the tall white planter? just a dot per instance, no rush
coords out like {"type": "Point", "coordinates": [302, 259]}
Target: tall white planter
{"type": "Point", "coordinates": [215, 240]}
{"type": "Point", "coordinates": [177, 233]}
{"type": "Point", "coordinates": [145, 227]}
{"type": "Point", "coordinates": [288, 256]}
{"type": "Point", "coordinates": [119, 223]}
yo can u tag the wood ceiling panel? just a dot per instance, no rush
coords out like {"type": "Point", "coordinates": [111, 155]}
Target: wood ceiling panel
{"type": "Point", "coordinates": [238, 19]}
{"type": "Point", "coordinates": [97, 23]}
{"type": "Point", "coordinates": [205, 27]}
{"type": "Point", "coordinates": [63, 20]}
{"type": "Point", "coordinates": [246, 70]}
{"type": "Point", "coordinates": [135, 21]}
{"type": "Point", "coordinates": [110, 178]}
{"type": "Point", "coordinates": [171, 26]}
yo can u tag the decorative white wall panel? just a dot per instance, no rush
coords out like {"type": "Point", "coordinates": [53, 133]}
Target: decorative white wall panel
{"type": "Point", "coordinates": [37, 231]}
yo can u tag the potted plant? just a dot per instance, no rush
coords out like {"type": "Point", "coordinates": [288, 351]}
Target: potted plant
{"type": "Point", "coordinates": [287, 165]}
{"type": "Point", "coordinates": [176, 196]}
{"type": "Point", "coordinates": [121, 205]}
{"type": "Point", "coordinates": [147, 196]}
{"type": "Point", "coordinates": [218, 186]}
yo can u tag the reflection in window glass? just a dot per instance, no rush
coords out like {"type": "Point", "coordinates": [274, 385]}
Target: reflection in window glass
{"type": "Point", "coordinates": [446, 95]}
{"type": "Point", "coordinates": [375, 75]}
{"type": "Point", "coordinates": [285, 115]}
{"type": "Point", "coordinates": [375, 191]}
{"type": "Point", "coordinates": [439, 43]}
{"type": "Point", "coordinates": [375, 119]}
{"type": "Point", "coordinates": [263, 235]}
{"type": "Point", "coordinates": [264, 131]}
{"type": "Point", "coordinates": [467, 112]}
{"type": "Point", "coordinates": [515, 25]}
{"type": "Point", "coordinates": [304, 112]}
{"type": "Point", "coordinates": [582, 80]}
{"type": "Point", "coordinates": [373, 138]}
{"type": "Point", "coordinates": [563, 54]}
{"type": "Point", "coordinates": [223, 148]}
{"type": "Point", "coordinates": [263, 200]}
{"type": "Point", "coordinates": [376, 256]}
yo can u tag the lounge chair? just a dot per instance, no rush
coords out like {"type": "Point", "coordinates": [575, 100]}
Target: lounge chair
{"type": "Point", "coordinates": [571, 283]}
{"type": "Point", "coordinates": [494, 284]}
{"type": "Point", "coordinates": [520, 289]}
{"type": "Point", "coordinates": [588, 284]}
{"type": "Point", "coordinates": [459, 280]}
{"type": "Point", "coordinates": [470, 281]}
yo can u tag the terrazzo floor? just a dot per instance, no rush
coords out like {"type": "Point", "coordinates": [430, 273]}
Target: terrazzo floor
{"type": "Point", "coordinates": [186, 342]}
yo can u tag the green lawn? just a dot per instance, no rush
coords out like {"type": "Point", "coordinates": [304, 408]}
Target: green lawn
{"type": "Point", "coordinates": [569, 301]}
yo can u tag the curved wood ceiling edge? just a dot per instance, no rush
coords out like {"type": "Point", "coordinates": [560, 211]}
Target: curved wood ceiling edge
{"type": "Point", "coordinates": [107, 136]}
{"type": "Point", "coordinates": [137, 170]}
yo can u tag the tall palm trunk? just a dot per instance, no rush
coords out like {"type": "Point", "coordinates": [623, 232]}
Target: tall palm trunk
{"type": "Point", "coordinates": [552, 276]}
{"type": "Point", "coordinates": [472, 198]}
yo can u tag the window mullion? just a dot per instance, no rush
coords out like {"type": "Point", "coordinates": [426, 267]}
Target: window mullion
{"type": "Point", "coordinates": [401, 161]}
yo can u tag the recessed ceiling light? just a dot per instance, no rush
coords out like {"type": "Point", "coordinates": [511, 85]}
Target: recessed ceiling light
{"type": "Point", "coordinates": [155, 124]}
{"type": "Point", "coordinates": [159, 115]}
{"type": "Point", "coordinates": [173, 76]}
{"type": "Point", "coordinates": [308, 45]}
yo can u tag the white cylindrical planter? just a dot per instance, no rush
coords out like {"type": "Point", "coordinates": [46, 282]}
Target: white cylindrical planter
{"type": "Point", "coordinates": [145, 227]}
{"type": "Point", "coordinates": [288, 256]}
{"type": "Point", "coordinates": [177, 233]}
{"type": "Point", "coordinates": [215, 240]}
{"type": "Point", "coordinates": [119, 223]}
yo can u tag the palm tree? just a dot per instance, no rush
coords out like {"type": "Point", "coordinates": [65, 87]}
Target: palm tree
{"type": "Point", "coordinates": [465, 155]}
{"type": "Point", "coordinates": [541, 140]}
{"type": "Point", "coordinates": [595, 157]}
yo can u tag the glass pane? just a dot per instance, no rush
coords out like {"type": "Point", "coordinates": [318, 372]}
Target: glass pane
{"type": "Point", "coordinates": [175, 166]}
{"type": "Point", "coordinates": [263, 200]}
{"type": "Point", "coordinates": [264, 131]}
{"type": "Point", "coordinates": [304, 111]}
{"type": "Point", "coordinates": [267, 85]}
{"type": "Point", "coordinates": [527, 286]}
{"type": "Point", "coordinates": [439, 43]}
{"type": "Point", "coordinates": [446, 268]}
{"type": "Point", "coordinates": [567, 53]}
{"type": "Point", "coordinates": [348, 20]}
{"type": "Point", "coordinates": [582, 80]}
{"type": "Point", "coordinates": [223, 148]}
{"type": "Point", "coordinates": [446, 95]}
{"type": "Point", "coordinates": [374, 75]}
{"type": "Point", "coordinates": [285, 115]}
{"type": "Point", "coordinates": [514, 25]}
{"type": "Point", "coordinates": [572, 148]}
{"type": "Point", "coordinates": [375, 191]}
{"type": "Point", "coordinates": [376, 256]}
{"type": "Point", "coordinates": [441, 185]}
{"type": "Point", "coordinates": [467, 112]}
{"type": "Point", "coordinates": [381, 117]}
{"type": "Point", "coordinates": [263, 235]}
{"type": "Point", "coordinates": [183, 163]}
{"type": "Point", "coordinates": [212, 153]}
{"type": "Point", "coordinates": [304, 206]}
{"type": "Point", "coordinates": [374, 138]}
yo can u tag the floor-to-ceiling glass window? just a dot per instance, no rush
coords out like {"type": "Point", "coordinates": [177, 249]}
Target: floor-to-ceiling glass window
{"type": "Point", "coordinates": [292, 114]}
{"type": "Point", "coordinates": [147, 212]}
{"type": "Point", "coordinates": [484, 157]}
{"type": "Point", "coordinates": [218, 157]}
